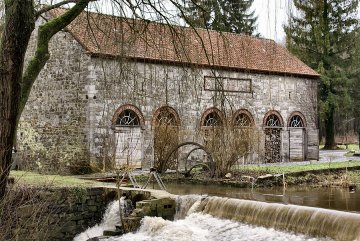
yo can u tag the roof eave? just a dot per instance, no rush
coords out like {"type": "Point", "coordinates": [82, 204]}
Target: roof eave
{"type": "Point", "coordinates": [190, 64]}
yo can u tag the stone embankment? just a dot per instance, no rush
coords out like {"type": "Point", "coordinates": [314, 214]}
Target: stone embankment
{"type": "Point", "coordinates": [62, 213]}
{"type": "Point", "coordinates": [152, 203]}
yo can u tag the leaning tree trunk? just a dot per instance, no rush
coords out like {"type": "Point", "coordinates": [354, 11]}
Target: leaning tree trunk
{"type": "Point", "coordinates": [19, 23]}
{"type": "Point", "coordinates": [329, 130]}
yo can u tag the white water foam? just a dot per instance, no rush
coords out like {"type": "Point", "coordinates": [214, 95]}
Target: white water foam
{"type": "Point", "coordinates": [204, 227]}
{"type": "Point", "coordinates": [190, 224]}
{"type": "Point", "coordinates": [110, 219]}
{"type": "Point", "coordinates": [186, 205]}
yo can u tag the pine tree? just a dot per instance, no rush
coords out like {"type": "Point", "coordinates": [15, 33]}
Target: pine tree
{"type": "Point", "coordinates": [221, 15]}
{"type": "Point", "coordinates": [322, 34]}
{"type": "Point", "coordinates": [354, 89]}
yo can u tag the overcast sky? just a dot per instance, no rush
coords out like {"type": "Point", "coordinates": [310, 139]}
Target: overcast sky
{"type": "Point", "coordinates": [272, 14]}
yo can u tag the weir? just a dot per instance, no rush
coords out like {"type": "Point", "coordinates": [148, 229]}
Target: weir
{"type": "Point", "coordinates": [300, 219]}
{"type": "Point", "coordinates": [309, 221]}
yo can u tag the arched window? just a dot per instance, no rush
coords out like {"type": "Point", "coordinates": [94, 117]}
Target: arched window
{"type": "Point", "coordinates": [212, 119]}
{"type": "Point", "coordinates": [296, 120]}
{"type": "Point", "coordinates": [273, 121]}
{"type": "Point", "coordinates": [128, 115]}
{"type": "Point", "coordinates": [166, 116]}
{"type": "Point", "coordinates": [128, 118]}
{"type": "Point", "coordinates": [243, 118]}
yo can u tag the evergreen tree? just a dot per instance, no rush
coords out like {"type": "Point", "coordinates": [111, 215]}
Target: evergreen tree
{"type": "Point", "coordinates": [322, 34]}
{"type": "Point", "coordinates": [221, 15]}
{"type": "Point", "coordinates": [355, 86]}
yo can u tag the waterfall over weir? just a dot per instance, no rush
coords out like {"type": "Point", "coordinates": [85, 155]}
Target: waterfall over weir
{"type": "Point", "coordinates": [300, 219]}
{"type": "Point", "coordinates": [215, 219]}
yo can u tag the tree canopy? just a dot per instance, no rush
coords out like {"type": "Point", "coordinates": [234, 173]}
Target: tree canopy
{"type": "Point", "coordinates": [322, 34]}
{"type": "Point", "coordinates": [221, 15]}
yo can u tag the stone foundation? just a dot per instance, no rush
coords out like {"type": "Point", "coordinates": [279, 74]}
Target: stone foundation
{"type": "Point", "coordinates": [65, 212]}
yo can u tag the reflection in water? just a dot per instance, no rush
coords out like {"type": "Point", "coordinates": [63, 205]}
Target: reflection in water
{"type": "Point", "coordinates": [336, 198]}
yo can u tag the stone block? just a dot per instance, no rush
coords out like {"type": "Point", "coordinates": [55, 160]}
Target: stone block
{"type": "Point", "coordinates": [116, 232]}
{"type": "Point", "coordinates": [93, 208]}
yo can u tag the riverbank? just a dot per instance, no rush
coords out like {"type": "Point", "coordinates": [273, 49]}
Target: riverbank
{"type": "Point", "coordinates": [69, 204]}
{"type": "Point", "coordinates": [341, 174]}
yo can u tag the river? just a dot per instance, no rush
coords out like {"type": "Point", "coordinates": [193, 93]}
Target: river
{"type": "Point", "coordinates": [330, 198]}
{"type": "Point", "coordinates": [271, 217]}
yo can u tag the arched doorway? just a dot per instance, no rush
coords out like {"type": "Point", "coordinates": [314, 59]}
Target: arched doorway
{"type": "Point", "coordinates": [211, 122]}
{"type": "Point", "coordinates": [214, 136]}
{"type": "Point", "coordinates": [166, 124]}
{"type": "Point", "coordinates": [297, 136]}
{"type": "Point", "coordinates": [273, 124]}
{"type": "Point", "coordinates": [128, 123]}
{"type": "Point", "coordinates": [245, 137]}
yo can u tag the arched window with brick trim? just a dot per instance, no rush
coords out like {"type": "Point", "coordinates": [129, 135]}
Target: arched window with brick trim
{"type": "Point", "coordinates": [242, 118]}
{"type": "Point", "coordinates": [128, 115]}
{"type": "Point", "coordinates": [296, 120]}
{"type": "Point", "coordinates": [212, 117]}
{"type": "Point", "coordinates": [128, 118]}
{"type": "Point", "coordinates": [273, 119]}
{"type": "Point", "coordinates": [166, 115]}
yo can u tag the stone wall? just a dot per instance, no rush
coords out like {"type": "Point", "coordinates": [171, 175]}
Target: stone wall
{"type": "Point", "coordinates": [150, 86]}
{"type": "Point", "coordinates": [67, 120]}
{"type": "Point", "coordinates": [51, 135]}
{"type": "Point", "coordinates": [65, 212]}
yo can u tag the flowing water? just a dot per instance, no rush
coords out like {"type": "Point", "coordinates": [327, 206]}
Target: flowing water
{"type": "Point", "coordinates": [110, 219]}
{"type": "Point", "coordinates": [215, 219]}
{"type": "Point", "coordinates": [329, 198]}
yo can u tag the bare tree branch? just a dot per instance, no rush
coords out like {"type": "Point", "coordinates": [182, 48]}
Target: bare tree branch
{"type": "Point", "coordinates": [46, 32]}
{"type": "Point", "coordinates": [47, 8]}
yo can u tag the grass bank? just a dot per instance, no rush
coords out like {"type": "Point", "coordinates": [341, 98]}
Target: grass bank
{"type": "Point", "coordinates": [300, 168]}
{"type": "Point", "coordinates": [335, 174]}
{"type": "Point", "coordinates": [36, 179]}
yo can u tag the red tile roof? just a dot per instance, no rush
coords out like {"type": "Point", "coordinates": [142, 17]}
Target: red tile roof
{"type": "Point", "coordinates": [105, 35]}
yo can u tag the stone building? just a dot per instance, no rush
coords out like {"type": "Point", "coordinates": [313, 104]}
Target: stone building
{"type": "Point", "coordinates": [127, 91]}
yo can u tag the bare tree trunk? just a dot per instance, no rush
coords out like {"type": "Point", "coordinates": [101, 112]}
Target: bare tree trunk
{"type": "Point", "coordinates": [329, 130]}
{"type": "Point", "coordinates": [15, 86]}
{"type": "Point", "coordinates": [19, 23]}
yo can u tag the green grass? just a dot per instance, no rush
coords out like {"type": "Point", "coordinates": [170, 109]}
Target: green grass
{"type": "Point", "coordinates": [298, 168]}
{"type": "Point", "coordinates": [350, 147]}
{"type": "Point", "coordinates": [343, 147]}
{"type": "Point", "coordinates": [32, 178]}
